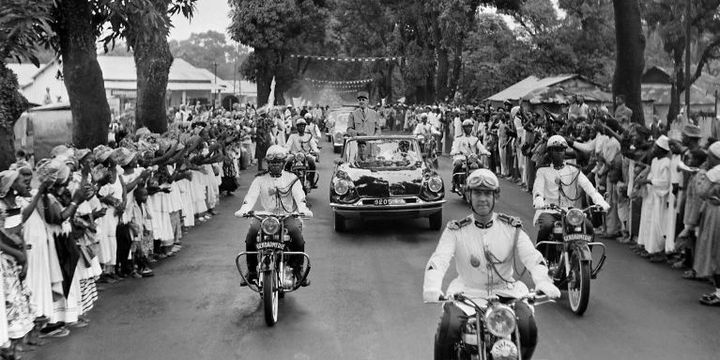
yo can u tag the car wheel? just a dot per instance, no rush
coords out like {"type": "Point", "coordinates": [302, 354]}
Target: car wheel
{"type": "Point", "coordinates": [336, 149]}
{"type": "Point", "coordinates": [339, 222]}
{"type": "Point", "coordinates": [436, 220]}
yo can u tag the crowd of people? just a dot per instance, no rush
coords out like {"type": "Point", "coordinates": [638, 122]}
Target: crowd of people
{"type": "Point", "coordinates": [84, 219]}
{"type": "Point", "coordinates": [662, 182]}
{"type": "Point", "coordinates": [88, 218]}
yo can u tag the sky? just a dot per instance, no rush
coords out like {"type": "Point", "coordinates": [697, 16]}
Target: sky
{"type": "Point", "coordinates": [209, 15]}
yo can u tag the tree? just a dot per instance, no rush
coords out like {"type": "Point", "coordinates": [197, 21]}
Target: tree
{"type": "Point", "coordinates": [145, 27]}
{"type": "Point", "coordinates": [667, 17]}
{"type": "Point", "coordinates": [630, 60]}
{"type": "Point", "coordinates": [23, 26]}
{"type": "Point", "coordinates": [274, 29]}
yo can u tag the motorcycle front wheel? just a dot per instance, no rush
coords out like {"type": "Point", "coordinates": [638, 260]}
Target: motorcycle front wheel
{"type": "Point", "coordinates": [579, 284]}
{"type": "Point", "coordinates": [270, 297]}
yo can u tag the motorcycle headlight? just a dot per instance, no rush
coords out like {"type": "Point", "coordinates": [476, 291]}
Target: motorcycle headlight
{"type": "Point", "coordinates": [435, 184]}
{"type": "Point", "coordinates": [270, 226]}
{"type": "Point", "coordinates": [500, 320]}
{"type": "Point", "coordinates": [575, 217]}
{"type": "Point", "coordinates": [300, 157]}
{"type": "Point", "coordinates": [341, 187]}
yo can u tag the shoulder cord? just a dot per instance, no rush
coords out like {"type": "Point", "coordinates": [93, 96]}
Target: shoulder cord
{"type": "Point", "coordinates": [573, 181]}
{"type": "Point", "coordinates": [492, 260]}
{"type": "Point", "coordinates": [281, 192]}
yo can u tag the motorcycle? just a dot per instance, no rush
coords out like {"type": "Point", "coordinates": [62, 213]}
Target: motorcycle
{"type": "Point", "coordinates": [275, 276]}
{"type": "Point", "coordinates": [491, 331]}
{"type": "Point", "coordinates": [469, 164]}
{"type": "Point", "coordinates": [298, 165]}
{"type": "Point", "coordinates": [428, 146]}
{"type": "Point", "coordinates": [574, 268]}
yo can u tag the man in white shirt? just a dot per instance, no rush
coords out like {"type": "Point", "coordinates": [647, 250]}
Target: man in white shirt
{"type": "Point", "coordinates": [279, 192]}
{"type": "Point", "coordinates": [484, 245]}
{"type": "Point", "coordinates": [403, 153]}
{"type": "Point", "coordinates": [303, 142]}
{"type": "Point", "coordinates": [466, 145]}
{"type": "Point", "coordinates": [559, 184]}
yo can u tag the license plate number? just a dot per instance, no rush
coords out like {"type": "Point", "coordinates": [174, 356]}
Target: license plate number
{"type": "Point", "coordinates": [575, 237]}
{"type": "Point", "coordinates": [389, 201]}
{"type": "Point", "coordinates": [269, 245]}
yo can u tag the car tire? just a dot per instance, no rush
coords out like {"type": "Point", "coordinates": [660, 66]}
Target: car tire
{"type": "Point", "coordinates": [339, 222]}
{"type": "Point", "coordinates": [336, 149]}
{"type": "Point", "coordinates": [436, 221]}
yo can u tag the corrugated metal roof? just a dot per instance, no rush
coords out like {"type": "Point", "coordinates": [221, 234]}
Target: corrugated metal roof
{"type": "Point", "coordinates": [660, 94]}
{"type": "Point", "coordinates": [527, 85]}
{"type": "Point", "coordinates": [24, 72]}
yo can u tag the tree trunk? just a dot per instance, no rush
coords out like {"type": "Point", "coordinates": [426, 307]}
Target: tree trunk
{"type": "Point", "coordinates": [264, 72]}
{"type": "Point", "coordinates": [630, 60]}
{"type": "Point", "coordinates": [678, 78]}
{"type": "Point", "coordinates": [82, 74]}
{"type": "Point", "coordinates": [152, 61]}
{"type": "Point", "coordinates": [442, 73]}
{"type": "Point", "coordinates": [389, 83]}
{"type": "Point", "coordinates": [12, 105]}
{"type": "Point", "coordinates": [456, 68]}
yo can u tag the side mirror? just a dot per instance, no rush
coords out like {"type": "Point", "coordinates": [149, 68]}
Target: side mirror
{"type": "Point", "coordinates": [338, 161]}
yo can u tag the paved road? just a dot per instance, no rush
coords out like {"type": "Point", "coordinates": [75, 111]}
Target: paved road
{"type": "Point", "coordinates": [365, 300]}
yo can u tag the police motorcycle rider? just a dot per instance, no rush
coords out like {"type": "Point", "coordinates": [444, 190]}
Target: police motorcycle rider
{"type": "Point", "coordinates": [303, 142]}
{"type": "Point", "coordinates": [558, 184]}
{"type": "Point", "coordinates": [403, 153]}
{"type": "Point", "coordinates": [484, 245]}
{"type": "Point", "coordinates": [425, 130]}
{"type": "Point", "coordinates": [279, 192]}
{"type": "Point", "coordinates": [466, 145]}
{"type": "Point", "coordinates": [313, 129]}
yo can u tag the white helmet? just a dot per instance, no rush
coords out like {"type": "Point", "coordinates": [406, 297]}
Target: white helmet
{"type": "Point", "coordinates": [300, 121]}
{"type": "Point", "coordinates": [468, 122]}
{"type": "Point", "coordinates": [482, 179]}
{"type": "Point", "coordinates": [308, 116]}
{"type": "Point", "coordinates": [275, 152]}
{"type": "Point", "coordinates": [557, 141]}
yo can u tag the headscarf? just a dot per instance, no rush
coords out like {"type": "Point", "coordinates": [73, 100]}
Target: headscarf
{"type": "Point", "coordinates": [7, 179]}
{"type": "Point", "coordinates": [714, 174]}
{"type": "Point", "coordinates": [52, 170]}
{"type": "Point", "coordinates": [610, 149]}
{"type": "Point", "coordinates": [102, 153]}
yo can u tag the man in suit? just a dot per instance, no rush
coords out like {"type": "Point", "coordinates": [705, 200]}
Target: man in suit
{"type": "Point", "coordinates": [363, 121]}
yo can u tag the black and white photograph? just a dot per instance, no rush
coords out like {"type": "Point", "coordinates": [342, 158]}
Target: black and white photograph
{"type": "Point", "coordinates": [359, 180]}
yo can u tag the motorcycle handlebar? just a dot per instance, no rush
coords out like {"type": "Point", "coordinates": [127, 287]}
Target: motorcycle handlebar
{"type": "Point", "coordinates": [534, 297]}
{"type": "Point", "coordinates": [264, 214]}
{"type": "Point", "coordinates": [564, 210]}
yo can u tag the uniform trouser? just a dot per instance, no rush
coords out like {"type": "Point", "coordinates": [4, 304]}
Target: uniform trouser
{"type": "Point", "coordinates": [453, 318]}
{"type": "Point", "coordinates": [530, 169]}
{"type": "Point", "coordinates": [545, 225]}
{"type": "Point", "coordinates": [297, 243]}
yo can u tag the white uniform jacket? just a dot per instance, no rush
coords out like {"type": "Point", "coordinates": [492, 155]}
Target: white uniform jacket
{"type": "Point", "coordinates": [465, 145]}
{"type": "Point", "coordinates": [549, 180]}
{"type": "Point", "coordinates": [277, 194]}
{"type": "Point", "coordinates": [304, 144]}
{"type": "Point", "coordinates": [469, 245]}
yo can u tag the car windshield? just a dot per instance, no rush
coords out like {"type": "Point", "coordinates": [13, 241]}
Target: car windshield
{"type": "Point", "coordinates": [382, 153]}
{"type": "Point", "coordinates": [341, 121]}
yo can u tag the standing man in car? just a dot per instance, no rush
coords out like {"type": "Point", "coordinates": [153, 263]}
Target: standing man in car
{"type": "Point", "coordinates": [363, 121]}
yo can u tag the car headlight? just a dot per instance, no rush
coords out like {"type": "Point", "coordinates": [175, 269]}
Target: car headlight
{"type": "Point", "coordinates": [341, 187]}
{"type": "Point", "coordinates": [575, 217]}
{"type": "Point", "coordinates": [500, 320]}
{"type": "Point", "coordinates": [270, 226]}
{"type": "Point", "coordinates": [300, 157]}
{"type": "Point", "coordinates": [435, 184]}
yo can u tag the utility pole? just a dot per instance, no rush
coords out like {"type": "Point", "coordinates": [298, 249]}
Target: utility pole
{"type": "Point", "coordinates": [687, 59]}
{"type": "Point", "coordinates": [215, 85]}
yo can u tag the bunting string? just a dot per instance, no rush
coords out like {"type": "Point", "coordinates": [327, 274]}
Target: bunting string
{"type": "Point", "coordinates": [342, 82]}
{"type": "Point", "coordinates": [333, 58]}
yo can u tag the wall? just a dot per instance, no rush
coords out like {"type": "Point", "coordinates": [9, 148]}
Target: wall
{"type": "Point", "coordinates": [35, 92]}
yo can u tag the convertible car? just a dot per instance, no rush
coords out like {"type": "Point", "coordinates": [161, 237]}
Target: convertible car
{"type": "Point", "coordinates": [385, 177]}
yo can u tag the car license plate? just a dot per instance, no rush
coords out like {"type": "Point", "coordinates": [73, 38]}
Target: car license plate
{"type": "Point", "coordinates": [389, 201]}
